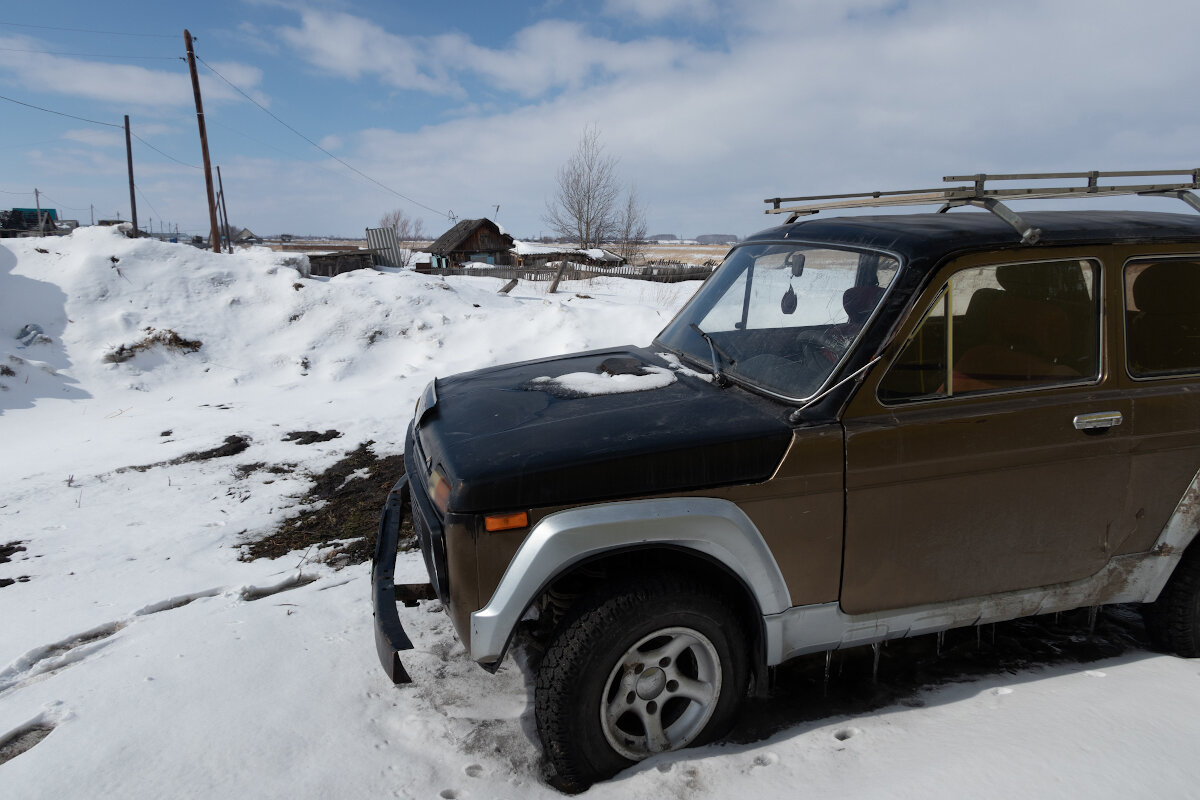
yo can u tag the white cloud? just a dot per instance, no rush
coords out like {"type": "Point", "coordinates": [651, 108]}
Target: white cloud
{"type": "Point", "coordinates": [351, 47]}
{"type": "Point", "coordinates": [332, 142]}
{"type": "Point", "coordinates": [656, 10]}
{"type": "Point", "coordinates": [546, 56]}
{"type": "Point", "coordinates": [120, 84]}
{"type": "Point", "coordinates": [98, 138]}
{"type": "Point", "coordinates": [243, 76]}
{"type": "Point", "coordinates": [554, 54]}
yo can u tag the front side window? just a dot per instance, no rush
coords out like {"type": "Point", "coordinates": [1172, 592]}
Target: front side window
{"type": "Point", "coordinates": [781, 316]}
{"type": "Point", "coordinates": [1002, 328]}
{"type": "Point", "coordinates": [1162, 317]}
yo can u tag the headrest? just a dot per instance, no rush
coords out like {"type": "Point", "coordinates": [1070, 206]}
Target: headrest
{"type": "Point", "coordinates": [860, 301]}
{"type": "Point", "coordinates": [1168, 287]}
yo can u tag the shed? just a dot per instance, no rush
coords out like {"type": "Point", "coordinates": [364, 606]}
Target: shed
{"type": "Point", "coordinates": [30, 215]}
{"type": "Point", "coordinates": [478, 240]}
{"type": "Point", "coordinates": [246, 236]}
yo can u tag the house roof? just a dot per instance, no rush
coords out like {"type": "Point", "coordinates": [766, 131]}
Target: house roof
{"type": "Point", "coordinates": [450, 241]}
{"type": "Point", "coordinates": [594, 254]}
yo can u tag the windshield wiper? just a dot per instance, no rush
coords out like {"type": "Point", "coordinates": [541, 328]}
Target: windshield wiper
{"type": "Point", "coordinates": [718, 376]}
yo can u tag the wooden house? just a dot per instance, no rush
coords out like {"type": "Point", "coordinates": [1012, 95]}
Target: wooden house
{"type": "Point", "coordinates": [479, 240]}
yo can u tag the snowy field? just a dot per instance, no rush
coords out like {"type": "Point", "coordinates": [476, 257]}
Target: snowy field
{"type": "Point", "coordinates": [140, 658]}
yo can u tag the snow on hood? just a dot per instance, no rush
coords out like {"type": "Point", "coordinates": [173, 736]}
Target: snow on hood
{"type": "Point", "coordinates": [588, 384]}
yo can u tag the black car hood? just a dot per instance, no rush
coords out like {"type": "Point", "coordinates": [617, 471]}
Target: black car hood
{"type": "Point", "coordinates": [505, 439]}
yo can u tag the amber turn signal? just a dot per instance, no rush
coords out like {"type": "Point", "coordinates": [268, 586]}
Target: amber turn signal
{"type": "Point", "coordinates": [495, 523]}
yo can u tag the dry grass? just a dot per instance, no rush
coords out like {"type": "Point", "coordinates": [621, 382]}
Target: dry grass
{"type": "Point", "coordinates": [168, 339]}
{"type": "Point", "coordinates": [687, 253]}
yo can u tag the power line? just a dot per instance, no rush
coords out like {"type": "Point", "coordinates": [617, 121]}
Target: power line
{"type": "Point", "coordinates": [60, 205]}
{"type": "Point", "coordinates": [322, 164]}
{"type": "Point", "coordinates": [87, 55]}
{"type": "Point", "coordinates": [98, 122]}
{"type": "Point", "coordinates": [88, 30]}
{"type": "Point", "coordinates": [142, 195]}
{"type": "Point", "coordinates": [322, 149]}
{"type": "Point", "coordinates": [60, 113]}
{"type": "Point", "coordinates": [160, 152]}
{"type": "Point", "coordinates": [24, 194]}
{"type": "Point", "coordinates": [251, 138]}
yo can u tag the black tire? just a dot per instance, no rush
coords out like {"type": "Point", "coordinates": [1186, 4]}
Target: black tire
{"type": "Point", "coordinates": [1173, 621]}
{"type": "Point", "coordinates": [596, 686]}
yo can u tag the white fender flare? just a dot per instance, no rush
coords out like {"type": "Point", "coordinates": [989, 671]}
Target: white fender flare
{"type": "Point", "coordinates": [716, 528]}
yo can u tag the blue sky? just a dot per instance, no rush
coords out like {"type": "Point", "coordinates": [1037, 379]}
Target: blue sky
{"type": "Point", "coordinates": [462, 106]}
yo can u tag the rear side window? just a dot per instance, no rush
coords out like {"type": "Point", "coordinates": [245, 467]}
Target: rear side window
{"type": "Point", "coordinates": [1002, 328]}
{"type": "Point", "coordinates": [1162, 317]}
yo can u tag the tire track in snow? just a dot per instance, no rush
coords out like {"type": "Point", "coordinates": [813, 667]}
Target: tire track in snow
{"type": "Point", "coordinates": [48, 660]}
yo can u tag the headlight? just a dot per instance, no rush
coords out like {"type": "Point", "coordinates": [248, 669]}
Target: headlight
{"type": "Point", "coordinates": [439, 491]}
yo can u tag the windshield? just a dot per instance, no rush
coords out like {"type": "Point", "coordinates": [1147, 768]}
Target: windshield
{"type": "Point", "coordinates": [781, 316]}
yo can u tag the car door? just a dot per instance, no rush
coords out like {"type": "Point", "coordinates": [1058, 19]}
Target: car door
{"type": "Point", "coordinates": [986, 454]}
{"type": "Point", "coordinates": [1161, 342]}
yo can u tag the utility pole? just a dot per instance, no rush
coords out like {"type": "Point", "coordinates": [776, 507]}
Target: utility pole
{"type": "Point", "coordinates": [215, 236]}
{"type": "Point", "coordinates": [92, 209]}
{"type": "Point", "coordinates": [37, 201]}
{"type": "Point", "coordinates": [224, 210]}
{"type": "Point", "coordinates": [129, 158]}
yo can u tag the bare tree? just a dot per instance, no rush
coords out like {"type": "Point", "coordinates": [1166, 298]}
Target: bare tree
{"type": "Point", "coordinates": [409, 231]}
{"type": "Point", "coordinates": [631, 227]}
{"type": "Point", "coordinates": [585, 203]}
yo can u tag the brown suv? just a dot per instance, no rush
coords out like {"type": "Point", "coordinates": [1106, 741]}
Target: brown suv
{"type": "Point", "coordinates": [860, 428]}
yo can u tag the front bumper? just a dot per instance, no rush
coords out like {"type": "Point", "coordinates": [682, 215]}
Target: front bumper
{"type": "Point", "coordinates": [390, 637]}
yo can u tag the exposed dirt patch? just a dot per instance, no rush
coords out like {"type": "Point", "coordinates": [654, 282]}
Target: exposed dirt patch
{"type": "Point", "coordinates": [7, 371]}
{"type": "Point", "coordinates": [10, 549]}
{"type": "Point", "coordinates": [246, 470]}
{"type": "Point", "coordinates": [22, 740]}
{"type": "Point", "coordinates": [341, 508]}
{"type": "Point", "coordinates": [168, 339]}
{"type": "Point", "coordinates": [909, 667]}
{"type": "Point", "coordinates": [233, 445]}
{"type": "Point", "coordinates": [10, 581]}
{"type": "Point", "coordinates": [312, 437]}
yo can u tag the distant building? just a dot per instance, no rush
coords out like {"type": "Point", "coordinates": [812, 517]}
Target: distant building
{"type": "Point", "coordinates": [527, 254]}
{"type": "Point", "coordinates": [478, 240]}
{"type": "Point", "coordinates": [246, 236]}
{"type": "Point", "coordinates": [30, 216]}
{"type": "Point", "coordinates": [716, 238]}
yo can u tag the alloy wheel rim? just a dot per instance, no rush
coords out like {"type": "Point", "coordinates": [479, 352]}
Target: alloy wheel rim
{"type": "Point", "coordinates": [661, 693]}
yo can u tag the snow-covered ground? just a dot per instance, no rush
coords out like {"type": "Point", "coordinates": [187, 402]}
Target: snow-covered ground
{"type": "Point", "coordinates": [163, 666]}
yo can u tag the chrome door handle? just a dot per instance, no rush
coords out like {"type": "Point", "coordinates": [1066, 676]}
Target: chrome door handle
{"type": "Point", "coordinates": [1099, 419]}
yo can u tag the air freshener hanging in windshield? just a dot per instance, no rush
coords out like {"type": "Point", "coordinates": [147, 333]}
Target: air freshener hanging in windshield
{"type": "Point", "coordinates": [788, 304]}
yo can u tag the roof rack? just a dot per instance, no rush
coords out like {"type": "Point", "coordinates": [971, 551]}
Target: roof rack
{"type": "Point", "coordinates": [978, 194]}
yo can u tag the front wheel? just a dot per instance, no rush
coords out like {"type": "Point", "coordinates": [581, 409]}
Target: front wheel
{"type": "Point", "coordinates": [641, 670]}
